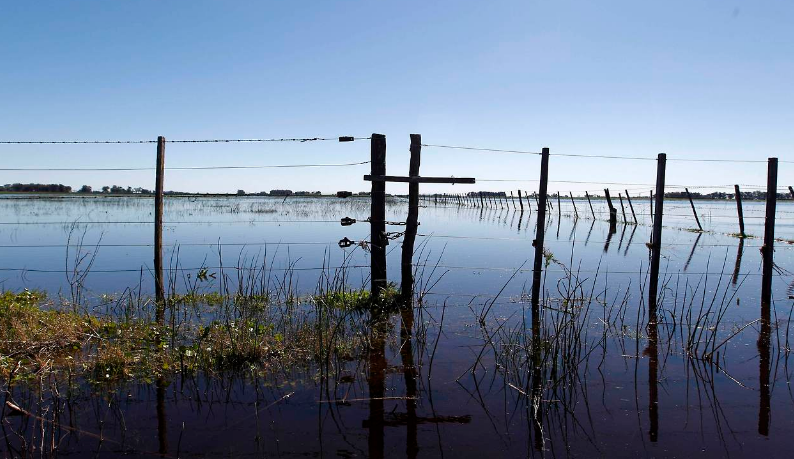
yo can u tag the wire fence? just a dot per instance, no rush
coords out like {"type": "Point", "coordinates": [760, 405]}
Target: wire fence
{"type": "Point", "coordinates": [491, 201]}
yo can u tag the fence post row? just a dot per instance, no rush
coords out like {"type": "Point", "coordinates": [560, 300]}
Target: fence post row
{"type": "Point", "coordinates": [540, 233]}
{"type": "Point", "coordinates": [656, 241]}
{"type": "Point", "coordinates": [411, 223]}
{"type": "Point", "coordinates": [159, 285]}
{"type": "Point", "coordinates": [378, 239]}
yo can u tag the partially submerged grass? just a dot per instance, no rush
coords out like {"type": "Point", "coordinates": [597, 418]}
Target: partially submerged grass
{"type": "Point", "coordinates": [39, 337]}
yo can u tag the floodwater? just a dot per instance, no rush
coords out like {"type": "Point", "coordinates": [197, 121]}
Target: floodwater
{"type": "Point", "coordinates": [469, 372]}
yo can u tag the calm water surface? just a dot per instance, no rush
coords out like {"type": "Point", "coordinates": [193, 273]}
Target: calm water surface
{"type": "Point", "coordinates": [612, 378]}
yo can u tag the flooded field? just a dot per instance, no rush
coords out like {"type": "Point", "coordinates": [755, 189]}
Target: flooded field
{"type": "Point", "coordinates": [273, 348]}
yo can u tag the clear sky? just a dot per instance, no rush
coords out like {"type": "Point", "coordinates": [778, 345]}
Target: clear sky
{"type": "Point", "coordinates": [699, 79]}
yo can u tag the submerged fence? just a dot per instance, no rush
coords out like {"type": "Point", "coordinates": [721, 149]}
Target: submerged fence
{"type": "Point", "coordinates": [544, 202]}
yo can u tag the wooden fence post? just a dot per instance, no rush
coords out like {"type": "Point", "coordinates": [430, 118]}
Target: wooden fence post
{"type": "Point", "coordinates": [622, 208]}
{"type": "Point", "coordinates": [691, 203]}
{"type": "Point", "coordinates": [378, 239]}
{"type": "Point", "coordinates": [482, 202]}
{"type": "Point", "coordinates": [769, 235]}
{"type": "Point", "coordinates": [791, 190]}
{"type": "Point", "coordinates": [159, 284]}
{"type": "Point", "coordinates": [738, 195]}
{"type": "Point", "coordinates": [411, 223]}
{"type": "Point", "coordinates": [587, 195]}
{"type": "Point", "coordinates": [631, 206]}
{"type": "Point", "coordinates": [540, 232]}
{"type": "Point", "coordinates": [656, 241]}
{"type": "Point", "coordinates": [613, 212]}
{"type": "Point", "coordinates": [575, 212]}
{"type": "Point", "coordinates": [520, 202]}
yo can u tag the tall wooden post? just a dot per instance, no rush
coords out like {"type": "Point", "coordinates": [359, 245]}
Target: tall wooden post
{"type": "Point", "coordinates": [691, 203]}
{"type": "Point", "coordinates": [411, 223]}
{"type": "Point", "coordinates": [520, 202]}
{"type": "Point", "coordinates": [159, 284]}
{"type": "Point", "coordinates": [769, 235]}
{"type": "Point", "coordinates": [575, 212]}
{"type": "Point", "coordinates": [529, 203]}
{"type": "Point", "coordinates": [738, 195]}
{"type": "Point", "coordinates": [631, 206]}
{"type": "Point", "coordinates": [791, 190]}
{"type": "Point", "coordinates": [540, 232]}
{"type": "Point", "coordinates": [613, 212]}
{"type": "Point", "coordinates": [656, 242]}
{"type": "Point", "coordinates": [587, 195]}
{"type": "Point", "coordinates": [622, 207]}
{"type": "Point", "coordinates": [482, 201]}
{"type": "Point", "coordinates": [378, 215]}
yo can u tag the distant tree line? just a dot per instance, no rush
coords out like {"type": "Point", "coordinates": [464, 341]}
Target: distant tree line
{"type": "Point", "coordinates": [35, 188]}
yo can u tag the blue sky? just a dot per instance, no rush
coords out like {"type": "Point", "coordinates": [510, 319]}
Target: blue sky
{"type": "Point", "coordinates": [707, 79]}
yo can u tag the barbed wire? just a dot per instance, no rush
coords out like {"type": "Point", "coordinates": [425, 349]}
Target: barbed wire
{"type": "Point", "coordinates": [100, 142]}
{"type": "Point", "coordinates": [178, 168]}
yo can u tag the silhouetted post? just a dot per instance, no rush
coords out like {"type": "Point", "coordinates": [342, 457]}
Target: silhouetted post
{"type": "Point", "coordinates": [513, 200]}
{"type": "Point", "coordinates": [529, 203]}
{"type": "Point", "coordinates": [378, 214]}
{"type": "Point", "coordinates": [656, 241]}
{"type": "Point", "coordinates": [520, 202]}
{"type": "Point", "coordinates": [540, 233]}
{"type": "Point", "coordinates": [159, 285]}
{"type": "Point", "coordinates": [631, 206]}
{"type": "Point", "coordinates": [411, 223]}
{"type": "Point", "coordinates": [738, 195]}
{"type": "Point", "coordinates": [791, 190]}
{"type": "Point", "coordinates": [691, 203]}
{"type": "Point", "coordinates": [769, 235]}
{"type": "Point", "coordinates": [482, 201]}
{"type": "Point", "coordinates": [622, 207]}
{"type": "Point", "coordinates": [587, 195]}
{"type": "Point", "coordinates": [613, 212]}
{"type": "Point", "coordinates": [575, 212]}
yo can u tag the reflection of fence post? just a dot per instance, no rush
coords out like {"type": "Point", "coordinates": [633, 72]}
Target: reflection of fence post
{"type": "Point", "coordinates": [738, 194]}
{"type": "Point", "coordinates": [691, 203]}
{"type": "Point", "coordinates": [656, 242]}
{"type": "Point", "coordinates": [412, 221]}
{"type": "Point", "coordinates": [378, 214]}
{"type": "Point", "coordinates": [769, 235]}
{"type": "Point", "coordinates": [539, 234]}
{"type": "Point", "coordinates": [159, 285]}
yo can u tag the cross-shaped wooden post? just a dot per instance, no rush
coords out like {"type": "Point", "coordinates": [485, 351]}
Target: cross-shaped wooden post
{"type": "Point", "coordinates": [378, 237]}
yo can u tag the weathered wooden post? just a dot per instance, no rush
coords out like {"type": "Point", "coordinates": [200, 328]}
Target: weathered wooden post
{"type": "Point", "coordinates": [656, 241]}
{"type": "Point", "coordinates": [529, 203]}
{"type": "Point", "coordinates": [769, 236]}
{"type": "Point", "coordinates": [791, 190]}
{"type": "Point", "coordinates": [622, 208]}
{"type": "Point", "coordinates": [587, 195]}
{"type": "Point", "coordinates": [540, 233]}
{"type": "Point", "coordinates": [738, 194]}
{"type": "Point", "coordinates": [613, 212]}
{"type": "Point", "coordinates": [378, 215]}
{"type": "Point", "coordinates": [159, 284]}
{"type": "Point", "coordinates": [482, 201]}
{"type": "Point", "coordinates": [691, 203]}
{"type": "Point", "coordinates": [520, 202]}
{"type": "Point", "coordinates": [631, 206]}
{"type": "Point", "coordinates": [411, 223]}
{"type": "Point", "coordinates": [575, 212]}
